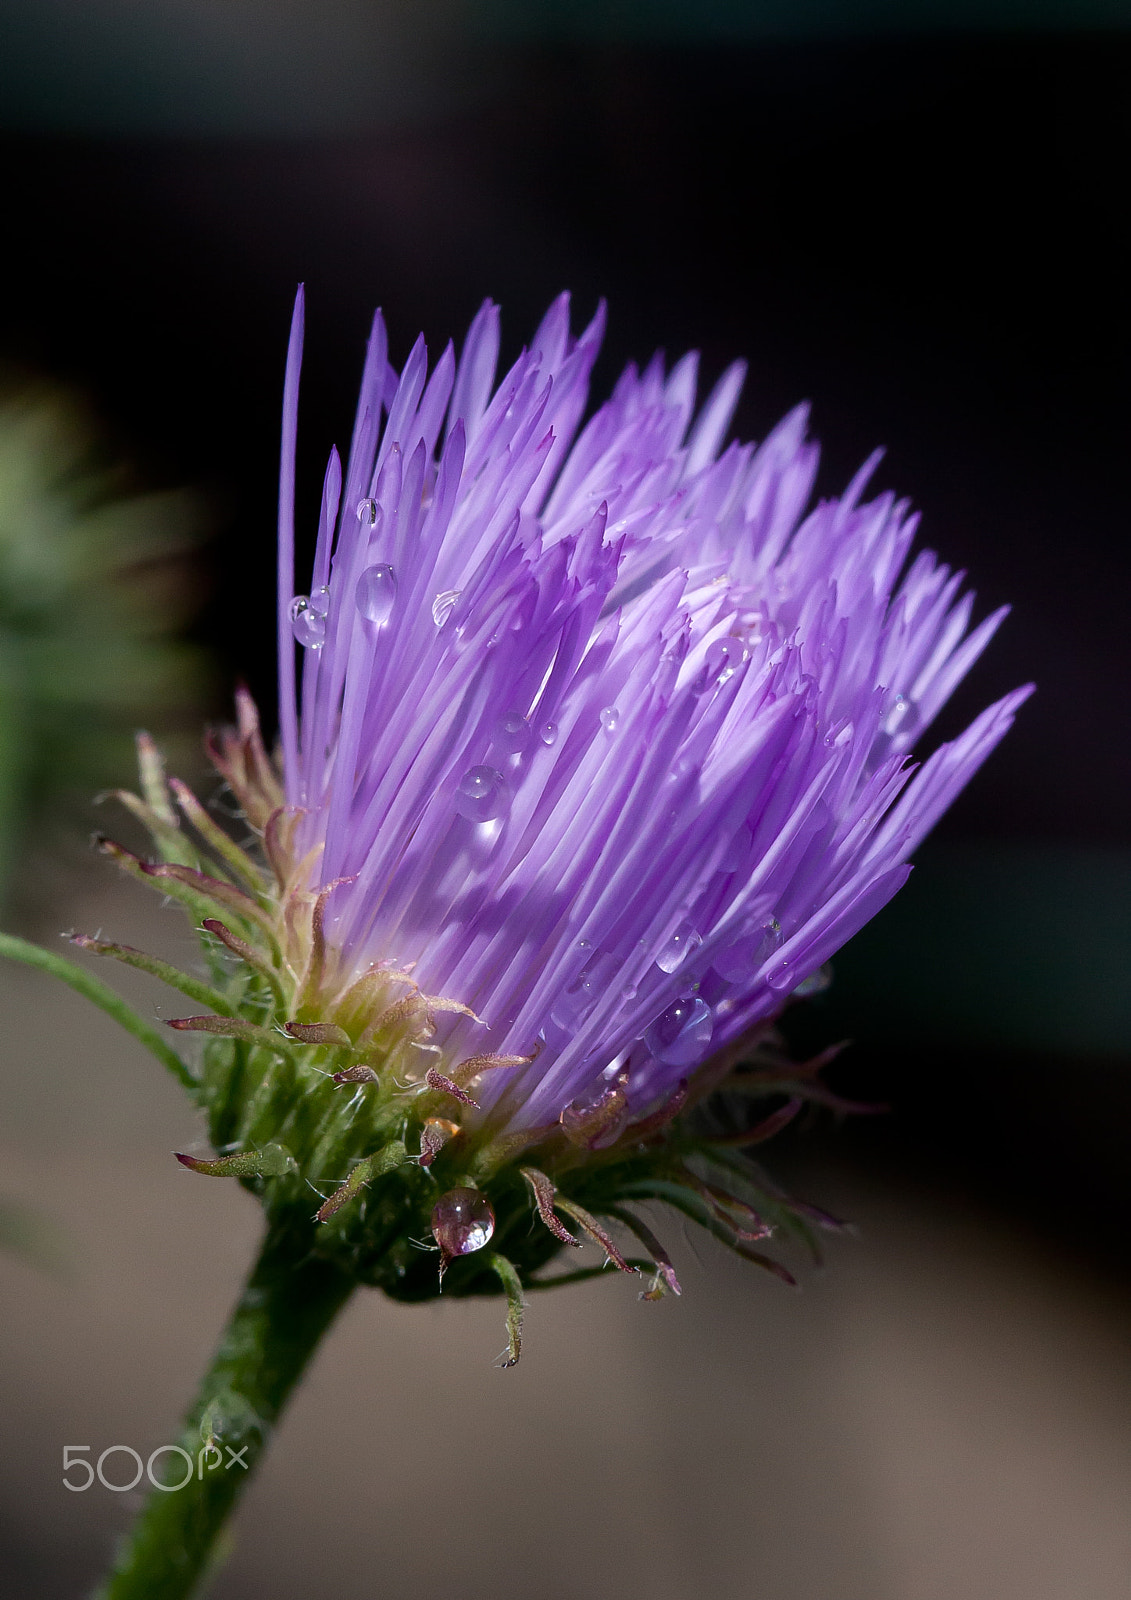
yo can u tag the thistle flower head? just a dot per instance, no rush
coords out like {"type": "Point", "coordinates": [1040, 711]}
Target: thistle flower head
{"type": "Point", "coordinates": [599, 732]}
{"type": "Point", "coordinates": [600, 747]}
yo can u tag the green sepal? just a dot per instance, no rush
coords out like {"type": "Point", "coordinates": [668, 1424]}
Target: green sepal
{"type": "Point", "coordinates": [194, 988]}
{"type": "Point", "coordinates": [516, 1305]}
{"type": "Point", "coordinates": [236, 860]}
{"type": "Point", "coordinates": [273, 1161]}
{"type": "Point", "coordinates": [385, 1160]}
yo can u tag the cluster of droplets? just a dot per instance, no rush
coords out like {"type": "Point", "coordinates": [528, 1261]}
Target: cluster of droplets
{"type": "Point", "coordinates": [681, 1035]}
{"type": "Point", "coordinates": [308, 614]}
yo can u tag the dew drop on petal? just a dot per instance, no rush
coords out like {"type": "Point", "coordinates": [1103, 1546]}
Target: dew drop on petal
{"type": "Point", "coordinates": [681, 1036]}
{"type": "Point", "coordinates": [319, 601]}
{"type": "Point", "coordinates": [462, 1222]}
{"type": "Point", "coordinates": [367, 511]}
{"type": "Point", "coordinates": [548, 733]}
{"type": "Point", "coordinates": [443, 604]}
{"type": "Point", "coordinates": [514, 731]}
{"type": "Point", "coordinates": [724, 657]}
{"type": "Point", "coordinates": [682, 942]}
{"type": "Point", "coordinates": [306, 625]}
{"type": "Point", "coordinates": [739, 960]}
{"type": "Point", "coordinates": [609, 719]}
{"type": "Point", "coordinates": [573, 1005]}
{"type": "Point", "coordinates": [722, 661]}
{"type": "Point", "coordinates": [376, 593]}
{"type": "Point", "coordinates": [481, 794]}
{"type": "Point", "coordinates": [901, 717]}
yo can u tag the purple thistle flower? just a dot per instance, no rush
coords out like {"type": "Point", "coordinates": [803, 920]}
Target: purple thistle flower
{"type": "Point", "coordinates": [600, 731]}
{"type": "Point", "coordinates": [600, 750]}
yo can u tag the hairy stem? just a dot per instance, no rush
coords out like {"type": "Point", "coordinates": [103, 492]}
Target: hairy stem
{"type": "Point", "coordinates": [289, 1302]}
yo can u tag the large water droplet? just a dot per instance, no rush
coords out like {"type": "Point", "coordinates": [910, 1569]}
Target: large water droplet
{"type": "Point", "coordinates": [609, 719]}
{"type": "Point", "coordinates": [443, 604]}
{"type": "Point", "coordinates": [462, 1222]}
{"type": "Point", "coordinates": [548, 733]}
{"type": "Point", "coordinates": [367, 511]}
{"type": "Point", "coordinates": [681, 1036]}
{"type": "Point", "coordinates": [481, 794]}
{"type": "Point", "coordinates": [682, 942]}
{"type": "Point", "coordinates": [307, 626]}
{"type": "Point", "coordinates": [740, 959]}
{"type": "Point", "coordinates": [514, 731]}
{"type": "Point", "coordinates": [376, 593]}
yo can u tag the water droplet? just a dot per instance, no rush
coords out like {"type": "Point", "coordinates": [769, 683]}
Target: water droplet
{"type": "Point", "coordinates": [596, 1119]}
{"type": "Point", "coordinates": [682, 1034]}
{"type": "Point", "coordinates": [548, 733]}
{"type": "Point", "coordinates": [574, 1004]}
{"type": "Point", "coordinates": [609, 719]}
{"type": "Point", "coordinates": [306, 625]}
{"type": "Point", "coordinates": [481, 794]}
{"type": "Point", "coordinates": [376, 593]}
{"type": "Point", "coordinates": [462, 1222]}
{"type": "Point", "coordinates": [319, 601]}
{"type": "Point", "coordinates": [514, 731]}
{"type": "Point", "coordinates": [901, 717]}
{"type": "Point", "coordinates": [722, 661]}
{"type": "Point", "coordinates": [682, 942]}
{"type": "Point", "coordinates": [629, 992]}
{"type": "Point", "coordinates": [740, 960]}
{"type": "Point", "coordinates": [367, 511]}
{"type": "Point", "coordinates": [443, 604]}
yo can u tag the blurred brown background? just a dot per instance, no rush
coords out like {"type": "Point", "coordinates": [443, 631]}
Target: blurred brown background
{"type": "Point", "coordinates": [924, 229]}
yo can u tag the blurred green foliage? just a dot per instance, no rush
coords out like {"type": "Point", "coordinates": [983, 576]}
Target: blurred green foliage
{"type": "Point", "coordinates": [96, 583]}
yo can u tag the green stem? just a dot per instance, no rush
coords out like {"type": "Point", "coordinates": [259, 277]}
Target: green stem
{"type": "Point", "coordinates": [290, 1300]}
{"type": "Point", "coordinates": [86, 984]}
